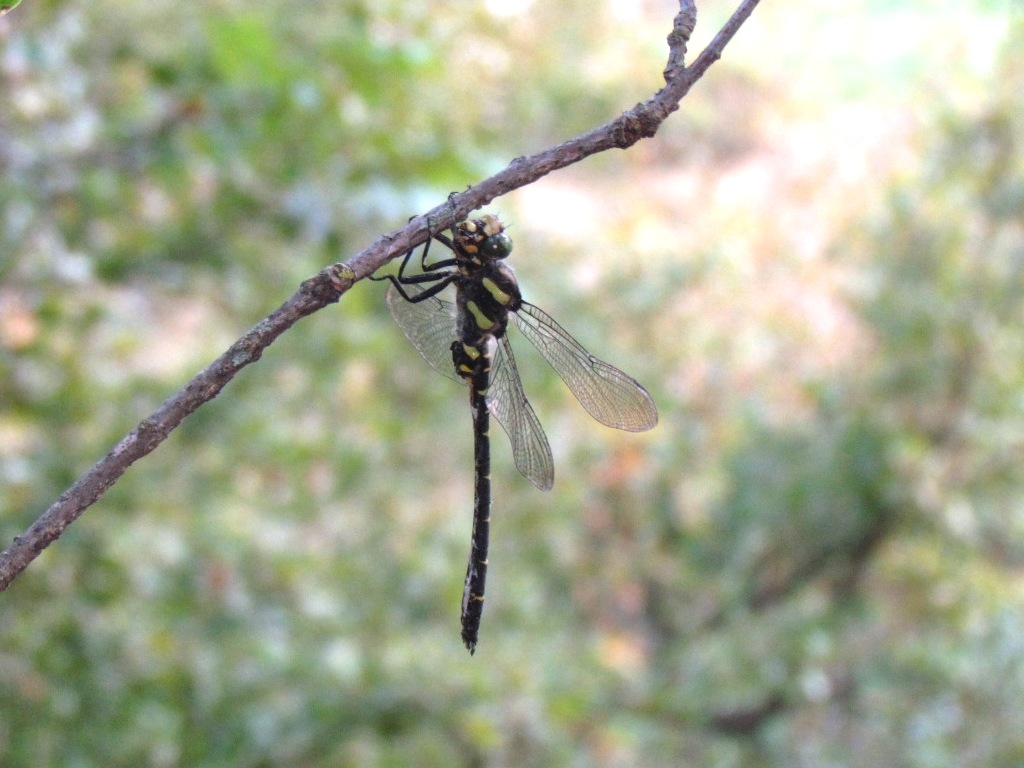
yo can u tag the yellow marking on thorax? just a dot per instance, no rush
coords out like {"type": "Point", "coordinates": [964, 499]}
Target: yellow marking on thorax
{"type": "Point", "coordinates": [492, 288]}
{"type": "Point", "coordinates": [482, 321]}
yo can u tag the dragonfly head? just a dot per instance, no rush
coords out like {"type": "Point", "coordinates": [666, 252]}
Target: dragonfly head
{"type": "Point", "coordinates": [484, 237]}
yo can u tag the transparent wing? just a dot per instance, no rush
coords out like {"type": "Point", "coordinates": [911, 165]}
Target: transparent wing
{"type": "Point", "coordinates": [608, 394]}
{"type": "Point", "coordinates": [429, 325]}
{"type": "Point", "coordinates": [508, 404]}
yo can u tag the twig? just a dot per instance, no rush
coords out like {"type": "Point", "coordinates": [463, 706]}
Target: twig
{"type": "Point", "coordinates": [327, 287]}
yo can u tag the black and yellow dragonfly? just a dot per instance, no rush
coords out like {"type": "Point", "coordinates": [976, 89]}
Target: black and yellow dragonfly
{"type": "Point", "coordinates": [466, 341]}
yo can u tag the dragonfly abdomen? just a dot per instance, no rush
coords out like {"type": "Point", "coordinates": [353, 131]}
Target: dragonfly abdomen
{"type": "Point", "coordinates": [473, 362]}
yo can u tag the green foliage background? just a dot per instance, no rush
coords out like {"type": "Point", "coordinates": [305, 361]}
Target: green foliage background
{"type": "Point", "coordinates": [816, 268]}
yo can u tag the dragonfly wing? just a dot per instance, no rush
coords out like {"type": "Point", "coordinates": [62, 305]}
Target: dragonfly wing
{"type": "Point", "coordinates": [608, 394]}
{"type": "Point", "coordinates": [429, 325]}
{"type": "Point", "coordinates": [508, 404]}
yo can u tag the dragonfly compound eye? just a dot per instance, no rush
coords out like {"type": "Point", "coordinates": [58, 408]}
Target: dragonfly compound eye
{"type": "Point", "coordinates": [497, 246]}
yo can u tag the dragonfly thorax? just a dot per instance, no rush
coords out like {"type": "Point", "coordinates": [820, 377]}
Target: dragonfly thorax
{"type": "Point", "coordinates": [486, 287]}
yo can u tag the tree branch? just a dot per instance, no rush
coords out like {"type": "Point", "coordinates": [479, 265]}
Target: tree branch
{"type": "Point", "coordinates": [325, 288]}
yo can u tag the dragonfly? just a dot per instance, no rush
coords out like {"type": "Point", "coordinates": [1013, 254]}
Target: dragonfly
{"type": "Point", "coordinates": [466, 340]}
